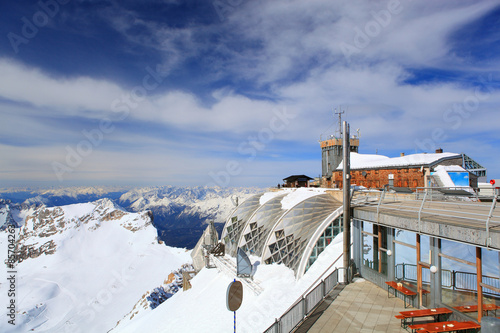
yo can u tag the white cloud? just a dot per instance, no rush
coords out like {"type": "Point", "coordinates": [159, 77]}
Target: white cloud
{"type": "Point", "coordinates": [93, 98]}
{"type": "Point", "coordinates": [82, 94]}
{"type": "Point", "coordinates": [291, 51]}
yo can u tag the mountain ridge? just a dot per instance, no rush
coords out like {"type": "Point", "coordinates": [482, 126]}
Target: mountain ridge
{"type": "Point", "coordinates": [82, 267]}
{"type": "Point", "coordinates": [180, 213]}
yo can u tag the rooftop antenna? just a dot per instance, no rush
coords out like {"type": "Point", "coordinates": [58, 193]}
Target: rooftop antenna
{"type": "Point", "coordinates": [340, 113]}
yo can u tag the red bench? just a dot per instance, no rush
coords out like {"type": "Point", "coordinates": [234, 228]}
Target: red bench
{"type": "Point", "coordinates": [435, 313]}
{"type": "Point", "coordinates": [446, 326]}
{"type": "Point", "coordinates": [399, 288]}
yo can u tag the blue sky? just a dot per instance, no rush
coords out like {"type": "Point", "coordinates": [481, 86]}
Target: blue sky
{"type": "Point", "coordinates": [238, 93]}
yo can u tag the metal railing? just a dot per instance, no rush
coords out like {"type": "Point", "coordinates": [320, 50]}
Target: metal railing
{"type": "Point", "coordinates": [456, 280]}
{"type": "Point", "coordinates": [305, 305]}
{"type": "Point", "coordinates": [419, 202]}
{"type": "Point", "coordinates": [309, 300]}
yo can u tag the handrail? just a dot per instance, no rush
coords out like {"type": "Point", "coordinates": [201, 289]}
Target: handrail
{"type": "Point", "coordinates": [313, 284]}
{"type": "Point", "coordinates": [476, 211]}
{"type": "Point", "coordinates": [420, 212]}
{"type": "Point", "coordinates": [493, 205]}
{"type": "Point", "coordinates": [439, 210]}
{"type": "Point", "coordinates": [304, 298]}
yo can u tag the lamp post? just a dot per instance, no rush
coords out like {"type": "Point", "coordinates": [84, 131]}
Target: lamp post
{"type": "Point", "coordinates": [347, 200]}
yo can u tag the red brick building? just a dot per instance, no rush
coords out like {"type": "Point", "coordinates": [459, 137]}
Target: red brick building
{"type": "Point", "coordinates": [411, 171]}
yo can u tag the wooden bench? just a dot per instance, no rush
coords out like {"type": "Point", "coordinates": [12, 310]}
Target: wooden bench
{"type": "Point", "coordinates": [403, 290]}
{"type": "Point", "coordinates": [445, 326]}
{"type": "Point", "coordinates": [435, 313]}
{"type": "Point", "coordinates": [403, 320]}
{"type": "Point", "coordinates": [425, 292]}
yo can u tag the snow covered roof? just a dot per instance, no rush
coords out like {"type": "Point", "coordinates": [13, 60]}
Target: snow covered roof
{"type": "Point", "coordinates": [450, 168]}
{"type": "Point", "coordinates": [370, 161]}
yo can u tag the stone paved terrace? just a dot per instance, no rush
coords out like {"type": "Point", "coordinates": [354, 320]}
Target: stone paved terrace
{"type": "Point", "coordinates": [360, 307]}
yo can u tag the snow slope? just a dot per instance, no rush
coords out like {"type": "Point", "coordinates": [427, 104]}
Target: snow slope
{"type": "Point", "coordinates": [203, 308]}
{"type": "Point", "coordinates": [84, 266]}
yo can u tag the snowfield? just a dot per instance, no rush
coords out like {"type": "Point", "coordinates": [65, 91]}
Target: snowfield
{"type": "Point", "coordinates": [105, 259]}
{"type": "Point", "coordinates": [203, 308]}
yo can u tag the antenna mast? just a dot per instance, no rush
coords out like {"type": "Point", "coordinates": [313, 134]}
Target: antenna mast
{"type": "Point", "coordinates": [340, 113]}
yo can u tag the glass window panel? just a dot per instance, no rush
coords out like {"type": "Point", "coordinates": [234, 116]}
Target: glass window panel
{"type": "Point", "coordinates": [426, 285]}
{"type": "Point", "coordinates": [463, 289]}
{"type": "Point", "coordinates": [424, 248]}
{"type": "Point", "coordinates": [406, 262]}
{"type": "Point", "coordinates": [384, 231]}
{"type": "Point", "coordinates": [491, 263]}
{"type": "Point", "coordinates": [368, 227]}
{"type": "Point", "coordinates": [458, 250]}
{"type": "Point", "coordinates": [384, 260]}
{"type": "Point", "coordinates": [407, 237]}
{"type": "Point", "coordinates": [490, 297]}
{"type": "Point", "coordinates": [491, 276]}
{"type": "Point", "coordinates": [370, 252]}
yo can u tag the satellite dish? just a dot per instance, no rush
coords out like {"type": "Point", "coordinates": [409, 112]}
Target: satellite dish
{"type": "Point", "coordinates": [234, 295]}
{"type": "Point", "coordinates": [243, 264]}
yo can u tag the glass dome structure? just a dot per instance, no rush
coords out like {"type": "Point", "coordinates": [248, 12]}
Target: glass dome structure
{"type": "Point", "coordinates": [260, 225]}
{"type": "Point", "coordinates": [236, 222]}
{"type": "Point", "coordinates": [293, 236]}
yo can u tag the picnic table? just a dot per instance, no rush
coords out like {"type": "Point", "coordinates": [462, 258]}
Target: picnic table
{"type": "Point", "coordinates": [435, 313]}
{"type": "Point", "coordinates": [445, 326]}
{"type": "Point", "coordinates": [474, 308]}
{"type": "Point", "coordinates": [403, 290]}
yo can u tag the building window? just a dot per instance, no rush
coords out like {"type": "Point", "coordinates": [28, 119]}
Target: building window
{"type": "Point", "coordinates": [405, 255]}
{"type": "Point", "coordinates": [375, 247]}
{"type": "Point", "coordinates": [325, 239]}
{"type": "Point", "coordinates": [458, 275]}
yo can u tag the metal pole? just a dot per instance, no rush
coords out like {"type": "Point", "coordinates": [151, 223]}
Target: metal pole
{"type": "Point", "coordinates": [347, 204]}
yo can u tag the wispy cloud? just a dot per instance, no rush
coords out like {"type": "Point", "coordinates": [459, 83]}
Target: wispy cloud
{"type": "Point", "coordinates": [406, 79]}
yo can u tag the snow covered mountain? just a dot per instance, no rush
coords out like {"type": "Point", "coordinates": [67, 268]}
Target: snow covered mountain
{"type": "Point", "coordinates": [12, 213]}
{"type": "Point", "coordinates": [82, 267]}
{"type": "Point", "coordinates": [61, 196]}
{"type": "Point", "coordinates": [180, 213]}
{"type": "Point", "coordinates": [6, 217]}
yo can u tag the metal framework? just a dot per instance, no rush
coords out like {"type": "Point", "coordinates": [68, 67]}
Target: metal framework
{"type": "Point", "coordinates": [294, 236]}
{"type": "Point", "coordinates": [472, 166]}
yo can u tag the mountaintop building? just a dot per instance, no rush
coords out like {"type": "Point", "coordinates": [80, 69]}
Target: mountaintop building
{"type": "Point", "coordinates": [297, 181]}
{"type": "Point", "coordinates": [441, 169]}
